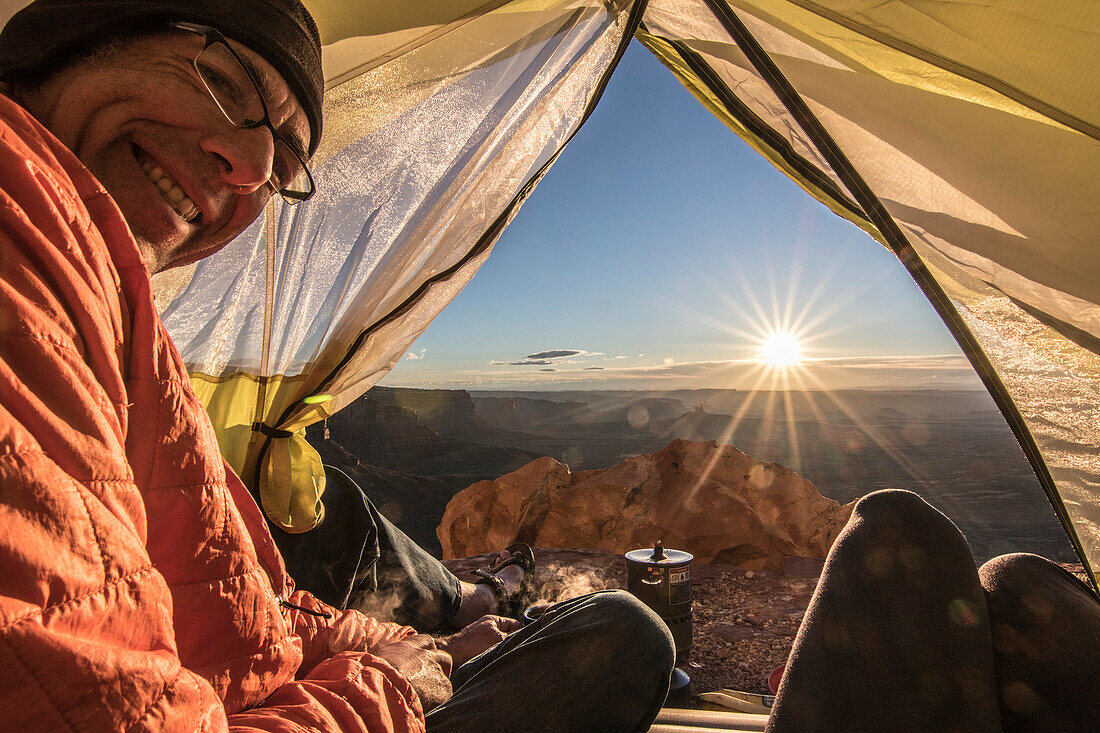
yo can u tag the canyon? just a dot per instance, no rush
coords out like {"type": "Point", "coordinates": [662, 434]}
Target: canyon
{"type": "Point", "coordinates": [413, 450]}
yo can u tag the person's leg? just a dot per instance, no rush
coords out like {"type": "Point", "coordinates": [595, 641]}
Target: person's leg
{"type": "Point", "coordinates": [340, 553]}
{"type": "Point", "coordinates": [411, 586]}
{"type": "Point", "coordinates": [896, 637]}
{"type": "Point", "coordinates": [356, 558]}
{"type": "Point", "coordinates": [1046, 642]}
{"type": "Point", "coordinates": [600, 662]}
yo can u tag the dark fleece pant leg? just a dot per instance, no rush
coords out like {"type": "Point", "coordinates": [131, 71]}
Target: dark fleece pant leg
{"type": "Point", "coordinates": [1046, 639]}
{"type": "Point", "coordinates": [600, 662]}
{"type": "Point", "coordinates": [356, 558]}
{"type": "Point", "coordinates": [896, 637]}
{"type": "Point", "coordinates": [338, 555]}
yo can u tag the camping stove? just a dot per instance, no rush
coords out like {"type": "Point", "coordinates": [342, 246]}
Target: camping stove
{"type": "Point", "coordinates": [661, 579]}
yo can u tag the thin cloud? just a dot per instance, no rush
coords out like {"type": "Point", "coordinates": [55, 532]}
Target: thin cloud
{"type": "Point", "coordinates": [555, 354]}
{"type": "Point", "coordinates": [413, 355]}
{"type": "Point", "coordinates": [549, 357]}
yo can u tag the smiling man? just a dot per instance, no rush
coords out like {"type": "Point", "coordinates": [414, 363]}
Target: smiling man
{"type": "Point", "coordinates": [138, 114]}
{"type": "Point", "coordinates": [139, 586]}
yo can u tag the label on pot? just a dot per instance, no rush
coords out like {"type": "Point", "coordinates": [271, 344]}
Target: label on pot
{"type": "Point", "coordinates": [679, 586]}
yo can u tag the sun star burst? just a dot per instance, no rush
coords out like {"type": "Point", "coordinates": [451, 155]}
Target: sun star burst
{"type": "Point", "coordinates": [781, 349]}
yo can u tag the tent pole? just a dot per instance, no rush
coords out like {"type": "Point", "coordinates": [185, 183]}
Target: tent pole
{"type": "Point", "coordinates": [899, 244]}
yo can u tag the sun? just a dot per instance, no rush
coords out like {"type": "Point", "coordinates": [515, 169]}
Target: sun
{"type": "Point", "coordinates": [781, 349]}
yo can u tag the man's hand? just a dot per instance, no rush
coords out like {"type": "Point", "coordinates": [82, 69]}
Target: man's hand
{"type": "Point", "coordinates": [426, 667]}
{"type": "Point", "coordinates": [477, 637]}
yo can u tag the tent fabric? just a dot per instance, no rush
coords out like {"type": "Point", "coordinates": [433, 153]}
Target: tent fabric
{"type": "Point", "coordinates": [991, 183]}
{"type": "Point", "coordinates": [437, 127]}
{"type": "Point", "coordinates": [974, 126]}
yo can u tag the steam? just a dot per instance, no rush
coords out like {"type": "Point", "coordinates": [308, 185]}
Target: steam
{"type": "Point", "coordinates": [381, 605]}
{"type": "Point", "coordinates": [397, 598]}
{"type": "Point", "coordinates": [559, 582]}
{"type": "Point", "coordinates": [553, 582]}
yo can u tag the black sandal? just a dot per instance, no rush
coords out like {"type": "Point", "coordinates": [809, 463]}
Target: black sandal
{"type": "Point", "coordinates": [509, 605]}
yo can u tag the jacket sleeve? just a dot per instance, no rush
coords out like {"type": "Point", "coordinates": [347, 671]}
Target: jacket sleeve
{"type": "Point", "coordinates": [86, 633]}
{"type": "Point", "coordinates": [352, 691]}
{"type": "Point", "coordinates": [86, 637]}
{"type": "Point", "coordinates": [342, 686]}
{"type": "Point", "coordinates": [337, 631]}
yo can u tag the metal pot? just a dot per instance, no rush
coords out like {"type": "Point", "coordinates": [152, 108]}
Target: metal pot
{"type": "Point", "coordinates": [661, 579]}
{"type": "Point", "coordinates": [534, 612]}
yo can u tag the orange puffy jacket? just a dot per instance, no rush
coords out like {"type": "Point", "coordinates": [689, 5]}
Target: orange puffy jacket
{"type": "Point", "coordinates": [139, 587]}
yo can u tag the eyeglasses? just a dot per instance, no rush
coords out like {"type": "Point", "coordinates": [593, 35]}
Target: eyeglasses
{"type": "Point", "coordinates": [234, 89]}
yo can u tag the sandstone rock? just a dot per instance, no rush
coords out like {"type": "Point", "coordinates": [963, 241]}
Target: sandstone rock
{"type": "Point", "coordinates": [708, 499]}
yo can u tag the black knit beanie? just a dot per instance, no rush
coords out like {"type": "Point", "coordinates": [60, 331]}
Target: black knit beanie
{"type": "Point", "coordinates": [47, 34]}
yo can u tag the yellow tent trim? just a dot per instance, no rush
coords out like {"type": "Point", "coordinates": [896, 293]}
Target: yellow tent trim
{"type": "Point", "coordinates": [292, 478]}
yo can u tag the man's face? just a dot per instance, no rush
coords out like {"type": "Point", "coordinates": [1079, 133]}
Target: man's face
{"type": "Point", "coordinates": [141, 120]}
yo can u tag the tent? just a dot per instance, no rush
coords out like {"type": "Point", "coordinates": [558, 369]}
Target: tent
{"type": "Point", "coordinates": [962, 136]}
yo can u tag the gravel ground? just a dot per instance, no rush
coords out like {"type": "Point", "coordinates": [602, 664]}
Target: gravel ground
{"type": "Point", "coordinates": [744, 621]}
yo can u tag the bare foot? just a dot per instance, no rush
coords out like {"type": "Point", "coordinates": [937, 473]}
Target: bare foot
{"type": "Point", "coordinates": [478, 599]}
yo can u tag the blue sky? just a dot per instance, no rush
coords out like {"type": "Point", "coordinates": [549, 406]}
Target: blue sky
{"type": "Point", "coordinates": [659, 248]}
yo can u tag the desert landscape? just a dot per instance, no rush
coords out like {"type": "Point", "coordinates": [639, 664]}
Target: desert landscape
{"type": "Point", "coordinates": [756, 486]}
{"type": "Point", "coordinates": [412, 450]}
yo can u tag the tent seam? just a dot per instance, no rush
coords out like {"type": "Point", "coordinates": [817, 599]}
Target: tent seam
{"type": "Point", "coordinates": [764, 133]}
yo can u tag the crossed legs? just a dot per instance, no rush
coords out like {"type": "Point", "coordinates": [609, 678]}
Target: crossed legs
{"type": "Point", "coordinates": [904, 634]}
{"type": "Point", "coordinates": [598, 662]}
